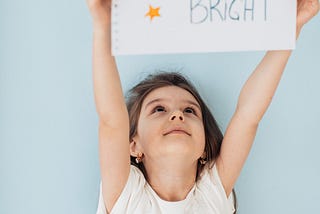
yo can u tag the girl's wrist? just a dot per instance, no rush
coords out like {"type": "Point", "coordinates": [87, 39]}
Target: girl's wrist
{"type": "Point", "coordinates": [102, 34]}
{"type": "Point", "coordinates": [298, 30]}
{"type": "Point", "coordinates": [99, 28]}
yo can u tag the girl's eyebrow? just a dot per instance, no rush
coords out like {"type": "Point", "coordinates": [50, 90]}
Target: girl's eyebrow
{"type": "Point", "coordinates": [153, 101]}
{"type": "Point", "coordinates": [185, 101]}
{"type": "Point", "coordinates": [192, 103]}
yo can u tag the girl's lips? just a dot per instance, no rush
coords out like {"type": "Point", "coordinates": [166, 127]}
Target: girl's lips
{"type": "Point", "coordinates": [177, 131]}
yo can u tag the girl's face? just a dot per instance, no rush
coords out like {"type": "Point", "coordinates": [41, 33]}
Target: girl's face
{"type": "Point", "coordinates": [170, 126]}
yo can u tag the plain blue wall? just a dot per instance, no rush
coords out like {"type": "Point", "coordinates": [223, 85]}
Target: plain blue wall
{"type": "Point", "coordinates": [48, 124]}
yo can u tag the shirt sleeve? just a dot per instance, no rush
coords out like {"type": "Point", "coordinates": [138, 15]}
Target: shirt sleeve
{"type": "Point", "coordinates": [133, 186]}
{"type": "Point", "coordinates": [230, 198]}
{"type": "Point", "coordinates": [101, 206]}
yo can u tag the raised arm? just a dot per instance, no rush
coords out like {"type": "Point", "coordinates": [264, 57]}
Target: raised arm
{"type": "Point", "coordinates": [110, 104]}
{"type": "Point", "coordinates": [254, 99]}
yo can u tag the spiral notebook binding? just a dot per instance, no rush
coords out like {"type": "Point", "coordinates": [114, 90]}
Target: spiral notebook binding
{"type": "Point", "coordinates": [115, 27]}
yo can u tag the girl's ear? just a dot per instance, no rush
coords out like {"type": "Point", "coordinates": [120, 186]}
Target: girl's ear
{"type": "Point", "coordinates": [133, 148]}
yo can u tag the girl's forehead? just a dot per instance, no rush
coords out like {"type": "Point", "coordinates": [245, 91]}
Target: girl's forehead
{"type": "Point", "coordinates": [169, 93]}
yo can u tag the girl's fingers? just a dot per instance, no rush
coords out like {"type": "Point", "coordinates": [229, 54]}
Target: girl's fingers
{"type": "Point", "coordinates": [306, 10]}
{"type": "Point", "coordinates": [100, 10]}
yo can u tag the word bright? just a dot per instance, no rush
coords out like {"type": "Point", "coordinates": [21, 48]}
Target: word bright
{"type": "Point", "coordinates": [227, 10]}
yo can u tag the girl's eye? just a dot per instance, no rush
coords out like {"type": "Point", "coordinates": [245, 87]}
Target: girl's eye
{"type": "Point", "coordinates": [159, 109]}
{"type": "Point", "coordinates": [190, 110]}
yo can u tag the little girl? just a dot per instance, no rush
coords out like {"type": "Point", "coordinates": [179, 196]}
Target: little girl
{"type": "Point", "coordinates": [162, 151]}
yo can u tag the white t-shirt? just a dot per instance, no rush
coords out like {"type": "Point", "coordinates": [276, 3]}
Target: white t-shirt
{"type": "Point", "coordinates": [206, 197]}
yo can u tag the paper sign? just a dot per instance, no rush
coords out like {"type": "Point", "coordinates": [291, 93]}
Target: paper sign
{"type": "Point", "coordinates": [191, 26]}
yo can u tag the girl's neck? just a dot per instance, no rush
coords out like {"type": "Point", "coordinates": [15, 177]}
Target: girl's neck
{"type": "Point", "coordinates": [171, 182]}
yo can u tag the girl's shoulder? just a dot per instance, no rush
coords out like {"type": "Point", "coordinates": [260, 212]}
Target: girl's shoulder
{"type": "Point", "coordinates": [210, 175]}
{"type": "Point", "coordinates": [135, 186]}
{"type": "Point", "coordinates": [211, 186]}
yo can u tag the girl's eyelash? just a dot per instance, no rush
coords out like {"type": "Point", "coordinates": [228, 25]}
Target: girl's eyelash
{"type": "Point", "coordinates": [192, 109]}
{"type": "Point", "coordinates": [157, 108]}
{"type": "Point", "coordinates": [161, 109]}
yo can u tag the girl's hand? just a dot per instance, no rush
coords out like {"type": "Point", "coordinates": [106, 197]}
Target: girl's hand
{"type": "Point", "coordinates": [100, 11]}
{"type": "Point", "coordinates": [306, 9]}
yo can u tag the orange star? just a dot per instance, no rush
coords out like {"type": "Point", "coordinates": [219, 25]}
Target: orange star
{"type": "Point", "coordinates": [153, 12]}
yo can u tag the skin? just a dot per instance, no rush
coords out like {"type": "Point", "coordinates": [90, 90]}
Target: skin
{"type": "Point", "coordinates": [163, 110]}
{"type": "Point", "coordinates": [114, 149]}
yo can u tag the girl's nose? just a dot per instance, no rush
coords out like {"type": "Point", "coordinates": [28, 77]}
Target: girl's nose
{"type": "Point", "coordinates": [177, 115]}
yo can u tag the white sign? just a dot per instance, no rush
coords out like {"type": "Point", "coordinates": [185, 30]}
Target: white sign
{"type": "Point", "coordinates": [190, 26]}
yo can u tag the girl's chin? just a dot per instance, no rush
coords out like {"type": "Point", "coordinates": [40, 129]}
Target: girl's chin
{"type": "Point", "coordinates": [177, 147]}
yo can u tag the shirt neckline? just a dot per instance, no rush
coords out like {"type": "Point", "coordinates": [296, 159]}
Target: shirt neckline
{"type": "Point", "coordinates": [184, 201]}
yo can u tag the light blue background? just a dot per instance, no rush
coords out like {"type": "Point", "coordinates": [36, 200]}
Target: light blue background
{"type": "Point", "coordinates": [48, 124]}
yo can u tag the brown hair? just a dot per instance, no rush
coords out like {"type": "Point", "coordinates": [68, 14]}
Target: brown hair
{"type": "Point", "coordinates": [136, 96]}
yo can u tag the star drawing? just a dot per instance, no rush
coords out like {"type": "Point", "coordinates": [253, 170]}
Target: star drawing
{"type": "Point", "coordinates": [153, 12]}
